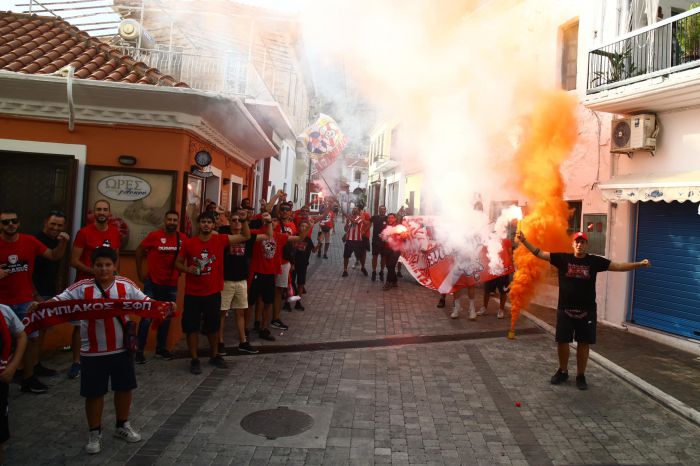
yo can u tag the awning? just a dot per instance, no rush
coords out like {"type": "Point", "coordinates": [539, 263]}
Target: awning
{"type": "Point", "coordinates": [641, 187]}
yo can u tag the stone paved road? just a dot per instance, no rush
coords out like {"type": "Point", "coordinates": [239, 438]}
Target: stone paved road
{"type": "Point", "coordinates": [432, 403]}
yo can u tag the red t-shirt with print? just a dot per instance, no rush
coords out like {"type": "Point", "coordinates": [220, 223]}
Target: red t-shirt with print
{"type": "Point", "coordinates": [267, 255]}
{"type": "Point", "coordinates": [208, 256]}
{"type": "Point", "coordinates": [289, 229]}
{"type": "Point", "coordinates": [17, 258]}
{"type": "Point", "coordinates": [90, 238]}
{"type": "Point", "coordinates": [161, 249]}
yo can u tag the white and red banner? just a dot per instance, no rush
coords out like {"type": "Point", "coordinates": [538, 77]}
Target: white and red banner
{"type": "Point", "coordinates": [435, 268]}
{"type": "Point", "coordinates": [50, 313]}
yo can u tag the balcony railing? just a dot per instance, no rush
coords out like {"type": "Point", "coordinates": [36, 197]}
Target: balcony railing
{"type": "Point", "coordinates": [227, 74]}
{"type": "Point", "coordinates": [665, 47]}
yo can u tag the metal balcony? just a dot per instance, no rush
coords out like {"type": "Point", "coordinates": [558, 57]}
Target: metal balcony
{"type": "Point", "coordinates": [650, 69]}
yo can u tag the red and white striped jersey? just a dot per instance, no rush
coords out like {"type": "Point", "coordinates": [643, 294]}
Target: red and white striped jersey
{"type": "Point", "coordinates": [355, 231]}
{"type": "Point", "coordinates": [100, 337]}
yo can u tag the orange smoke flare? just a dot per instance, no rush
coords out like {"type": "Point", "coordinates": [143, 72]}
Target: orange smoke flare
{"type": "Point", "coordinates": [548, 141]}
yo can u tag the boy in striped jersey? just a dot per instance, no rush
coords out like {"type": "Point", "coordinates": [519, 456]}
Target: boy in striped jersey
{"type": "Point", "coordinates": [102, 352]}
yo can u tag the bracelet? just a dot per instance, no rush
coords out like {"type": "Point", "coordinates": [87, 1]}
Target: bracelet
{"type": "Point", "coordinates": [536, 251]}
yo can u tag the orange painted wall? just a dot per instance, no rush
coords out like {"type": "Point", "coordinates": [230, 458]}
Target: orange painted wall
{"type": "Point", "coordinates": [154, 148]}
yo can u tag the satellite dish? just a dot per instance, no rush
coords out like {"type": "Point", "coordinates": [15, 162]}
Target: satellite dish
{"type": "Point", "coordinates": [621, 133]}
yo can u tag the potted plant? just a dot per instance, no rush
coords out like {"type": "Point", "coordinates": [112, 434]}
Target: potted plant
{"type": "Point", "coordinates": [688, 35]}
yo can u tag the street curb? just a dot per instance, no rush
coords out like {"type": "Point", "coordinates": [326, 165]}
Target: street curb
{"type": "Point", "coordinates": [660, 396]}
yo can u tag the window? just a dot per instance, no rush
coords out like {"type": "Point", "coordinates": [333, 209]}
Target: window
{"type": "Point", "coordinates": [575, 209]}
{"type": "Point", "coordinates": [569, 52]}
{"type": "Point", "coordinates": [358, 176]}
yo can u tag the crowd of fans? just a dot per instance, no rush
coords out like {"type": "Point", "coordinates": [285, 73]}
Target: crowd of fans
{"type": "Point", "coordinates": [249, 264]}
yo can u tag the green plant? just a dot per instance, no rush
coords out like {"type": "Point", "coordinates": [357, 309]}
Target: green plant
{"type": "Point", "coordinates": [688, 33]}
{"type": "Point", "coordinates": [620, 68]}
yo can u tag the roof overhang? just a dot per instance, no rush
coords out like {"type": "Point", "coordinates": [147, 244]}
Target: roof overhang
{"type": "Point", "coordinates": [222, 120]}
{"type": "Point", "coordinates": [271, 113]}
{"type": "Point", "coordinates": [656, 187]}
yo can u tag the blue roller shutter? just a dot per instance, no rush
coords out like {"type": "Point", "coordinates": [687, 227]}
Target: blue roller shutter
{"type": "Point", "coordinates": [667, 295]}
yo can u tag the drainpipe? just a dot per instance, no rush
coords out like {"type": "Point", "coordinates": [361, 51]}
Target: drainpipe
{"type": "Point", "coordinates": [71, 106]}
{"type": "Point", "coordinates": [612, 210]}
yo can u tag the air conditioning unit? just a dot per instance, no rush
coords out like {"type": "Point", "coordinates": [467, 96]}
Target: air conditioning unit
{"type": "Point", "coordinates": [637, 132]}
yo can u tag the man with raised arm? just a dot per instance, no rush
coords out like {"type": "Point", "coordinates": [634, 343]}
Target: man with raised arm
{"type": "Point", "coordinates": [202, 259]}
{"type": "Point", "coordinates": [576, 310]}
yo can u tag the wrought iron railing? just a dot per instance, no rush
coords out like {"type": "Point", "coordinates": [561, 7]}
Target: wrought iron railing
{"type": "Point", "coordinates": [665, 47]}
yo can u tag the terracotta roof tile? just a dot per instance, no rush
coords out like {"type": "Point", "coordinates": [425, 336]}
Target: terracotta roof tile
{"type": "Point", "coordinates": [43, 45]}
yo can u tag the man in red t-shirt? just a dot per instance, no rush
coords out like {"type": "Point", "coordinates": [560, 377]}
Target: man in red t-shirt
{"type": "Point", "coordinates": [89, 238]}
{"type": "Point", "coordinates": [17, 254]}
{"type": "Point", "coordinates": [202, 259]}
{"type": "Point", "coordinates": [265, 267]}
{"type": "Point", "coordinates": [159, 277]}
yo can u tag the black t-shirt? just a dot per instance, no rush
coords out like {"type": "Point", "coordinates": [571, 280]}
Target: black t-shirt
{"type": "Point", "coordinates": [378, 225]}
{"type": "Point", "coordinates": [302, 251]}
{"type": "Point", "coordinates": [46, 271]}
{"type": "Point", "coordinates": [237, 257]}
{"type": "Point", "coordinates": [577, 279]}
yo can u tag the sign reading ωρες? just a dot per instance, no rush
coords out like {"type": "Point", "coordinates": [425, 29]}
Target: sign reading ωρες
{"type": "Point", "coordinates": [124, 187]}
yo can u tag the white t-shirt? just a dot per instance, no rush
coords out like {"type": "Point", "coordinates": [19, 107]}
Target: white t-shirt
{"type": "Point", "coordinates": [13, 323]}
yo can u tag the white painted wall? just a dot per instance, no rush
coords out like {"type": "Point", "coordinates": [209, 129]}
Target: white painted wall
{"type": "Point", "coordinates": [282, 171]}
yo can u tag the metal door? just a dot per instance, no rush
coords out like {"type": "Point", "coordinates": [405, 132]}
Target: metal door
{"type": "Point", "coordinates": [667, 295]}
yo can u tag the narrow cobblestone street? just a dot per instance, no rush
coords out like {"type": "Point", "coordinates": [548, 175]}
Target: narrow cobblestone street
{"type": "Point", "coordinates": [466, 399]}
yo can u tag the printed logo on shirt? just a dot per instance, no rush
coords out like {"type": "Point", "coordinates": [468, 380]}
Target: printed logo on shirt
{"type": "Point", "coordinates": [301, 246]}
{"type": "Point", "coordinates": [579, 271]}
{"type": "Point", "coordinates": [269, 248]}
{"type": "Point", "coordinates": [163, 240]}
{"type": "Point", "coordinates": [14, 265]}
{"type": "Point", "coordinates": [106, 244]}
{"type": "Point", "coordinates": [237, 250]}
{"type": "Point", "coordinates": [204, 261]}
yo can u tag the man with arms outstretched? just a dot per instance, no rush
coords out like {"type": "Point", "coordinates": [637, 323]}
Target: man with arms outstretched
{"type": "Point", "coordinates": [576, 310]}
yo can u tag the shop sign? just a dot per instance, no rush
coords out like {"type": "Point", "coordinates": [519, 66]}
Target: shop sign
{"type": "Point", "coordinates": [124, 187]}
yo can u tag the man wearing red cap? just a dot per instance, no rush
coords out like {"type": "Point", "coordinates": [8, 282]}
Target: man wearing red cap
{"type": "Point", "coordinates": [576, 311]}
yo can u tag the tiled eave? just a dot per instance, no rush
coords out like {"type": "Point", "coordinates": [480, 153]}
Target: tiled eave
{"type": "Point", "coordinates": [222, 120]}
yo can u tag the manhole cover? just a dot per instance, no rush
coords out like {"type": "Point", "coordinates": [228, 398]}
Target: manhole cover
{"type": "Point", "coordinates": [278, 422]}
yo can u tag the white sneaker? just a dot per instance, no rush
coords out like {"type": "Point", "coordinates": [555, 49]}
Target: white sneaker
{"type": "Point", "coordinates": [94, 444]}
{"type": "Point", "coordinates": [455, 310]}
{"type": "Point", "coordinates": [482, 311]}
{"type": "Point", "coordinates": [500, 314]}
{"type": "Point", "coordinates": [472, 312]}
{"type": "Point", "coordinates": [127, 433]}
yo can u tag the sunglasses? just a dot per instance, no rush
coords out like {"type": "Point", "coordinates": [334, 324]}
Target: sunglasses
{"type": "Point", "coordinates": [235, 219]}
{"type": "Point", "coordinates": [285, 209]}
{"type": "Point", "coordinates": [13, 221]}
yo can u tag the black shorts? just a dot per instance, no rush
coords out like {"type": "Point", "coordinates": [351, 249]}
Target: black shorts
{"type": "Point", "coordinates": [4, 412]}
{"type": "Point", "coordinates": [365, 241]}
{"type": "Point", "coordinates": [581, 328]}
{"type": "Point", "coordinates": [97, 371]}
{"type": "Point", "coordinates": [377, 246]}
{"type": "Point", "coordinates": [354, 247]}
{"type": "Point", "coordinates": [300, 273]}
{"type": "Point", "coordinates": [201, 314]}
{"type": "Point", "coordinates": [325, 229]}
{"type": "Point", "coordinates": [263, 286]}
{"type": "Point", "coordinates": [499, 283]}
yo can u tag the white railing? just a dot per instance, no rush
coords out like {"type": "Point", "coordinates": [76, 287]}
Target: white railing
{"type": "Point", "coordinates": [226, 74]}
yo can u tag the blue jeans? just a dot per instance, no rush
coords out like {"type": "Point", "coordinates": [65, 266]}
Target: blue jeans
{"type": "Point", "coordinates": [21, 311]}
{"type": "Point", "coordinates": [159, 293]}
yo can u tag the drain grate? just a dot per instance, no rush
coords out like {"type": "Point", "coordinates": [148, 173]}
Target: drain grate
{"type": "Point", "coordinates": [278, 422]}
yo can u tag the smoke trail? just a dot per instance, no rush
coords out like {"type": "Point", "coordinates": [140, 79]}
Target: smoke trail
{"type": "Point", "coordinates": [549, 139]}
